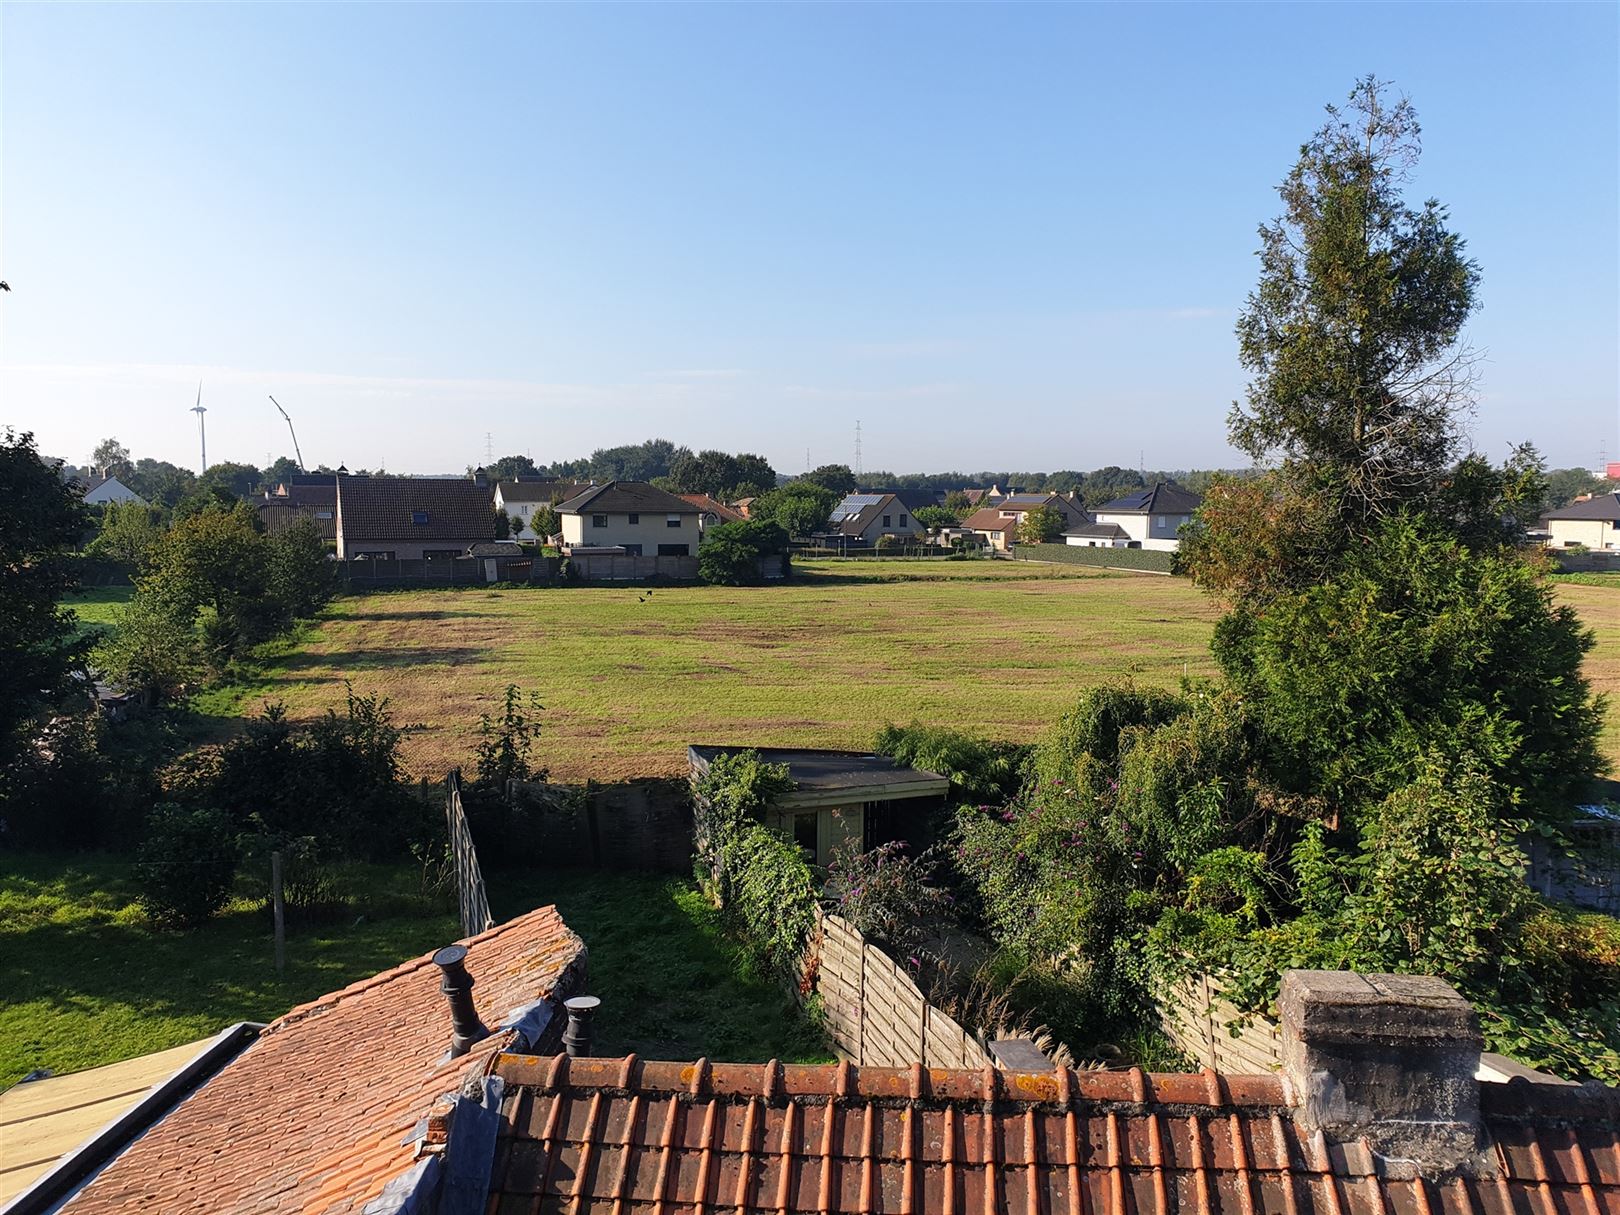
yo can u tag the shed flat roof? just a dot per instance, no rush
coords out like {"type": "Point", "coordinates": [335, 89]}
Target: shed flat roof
{"type": "Point", "coordinates": [830, 778]}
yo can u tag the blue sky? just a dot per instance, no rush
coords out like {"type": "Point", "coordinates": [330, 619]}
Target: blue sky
{"type": "Point", "coordinates": [998, 236]}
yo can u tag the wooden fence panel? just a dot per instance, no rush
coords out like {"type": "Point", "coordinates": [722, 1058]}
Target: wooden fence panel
{"type": "Point", "coordinates": [875, 1013]}
{"type": "Point", "coordinates": [1198, 1019]}
{"type": "Point", "coordinates": [472, 900]}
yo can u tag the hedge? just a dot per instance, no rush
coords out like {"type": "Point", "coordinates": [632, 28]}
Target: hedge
{"type": "Point", "coordinates": [1113, 558]}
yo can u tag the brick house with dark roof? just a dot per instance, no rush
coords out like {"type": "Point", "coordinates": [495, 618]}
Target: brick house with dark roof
{"type": "Point", "coordinates": [407, 518]}
{"type": "Point", "coordinates": [998, 522]}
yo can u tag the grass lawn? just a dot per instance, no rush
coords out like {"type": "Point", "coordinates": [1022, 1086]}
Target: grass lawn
{"type": "Point", "coordinates": [631, 678]}
{"type": "Point", "coordinates": [673, 985]}
{"type": "Point", "coordinates": [98, 606]}
{"type": "Point", "coordinates": [86, 981]}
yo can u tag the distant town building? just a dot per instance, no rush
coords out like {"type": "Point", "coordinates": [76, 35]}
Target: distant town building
{"type": "Point", "coordinates": [1150, 518]}
{"type": "Point", "coordinates": [100, 490]}
{"type": "Point", "coordinates": [409, 518]}
{"type": "Point", "coordinates": [633, 517]}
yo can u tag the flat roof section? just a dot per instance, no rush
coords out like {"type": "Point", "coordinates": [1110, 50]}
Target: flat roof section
{"type": "Point", "coordinates": [835, 778]}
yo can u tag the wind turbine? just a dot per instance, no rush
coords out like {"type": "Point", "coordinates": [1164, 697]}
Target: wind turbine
{"type": "Point", "coordinates": [202, 430]}
{"type": "Point", "coordinates": [292, 432]}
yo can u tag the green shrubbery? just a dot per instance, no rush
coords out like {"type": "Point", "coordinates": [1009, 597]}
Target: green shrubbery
{"type": "Point", "coordinates": [759, 878]}
{"type": "Point", "coordinates": [978, 769]}
{"type": "Point", "coordinates": [186, 865]}
{"type": "Point", "coordinates": [731, 554]}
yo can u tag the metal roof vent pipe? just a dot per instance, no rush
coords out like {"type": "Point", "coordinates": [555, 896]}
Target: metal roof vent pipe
{"type": "Point", "coordinates": [457, 986]}
{"type": "Point", "coordinates": [577, 1037]}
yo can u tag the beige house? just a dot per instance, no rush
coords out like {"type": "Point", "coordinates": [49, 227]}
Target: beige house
{"type": "Point", "coordinates": [867, 518]}
{"type": "Point", "coordinates": [1594, 523]}
{"type": "Point", "coordinates": [632, 516]}
{"type": "Point", "coordinates": [1151, 518]}
{"type": "Point", "coordinates": [998, 522]}
{"type": "Point", "coordinates": [840, 797]}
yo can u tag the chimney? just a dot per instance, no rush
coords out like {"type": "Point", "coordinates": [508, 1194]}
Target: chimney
{"type": "Point", "coordinates": [1388, 1058]}
{"type": "Point", "coordinates": [577, 1037]}
{"type": "Point", "coordinates": [457, 986]}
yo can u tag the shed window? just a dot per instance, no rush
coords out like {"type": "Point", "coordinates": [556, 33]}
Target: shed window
{"type": "Point", "coordinates": [419, 516]}
{"type": "Point", "coordinates": [598, 520]}
{"type": "Point", "coordinates": [804, 832]}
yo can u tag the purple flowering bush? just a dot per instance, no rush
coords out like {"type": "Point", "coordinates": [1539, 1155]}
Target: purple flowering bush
{"type": "Point", "coordinates": [886, 893]}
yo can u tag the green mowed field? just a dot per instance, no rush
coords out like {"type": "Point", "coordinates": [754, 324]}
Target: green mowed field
{"type": "Point", "coordinates": [98, 607]}
{"type": "Point", "coordinates": [630, 677]}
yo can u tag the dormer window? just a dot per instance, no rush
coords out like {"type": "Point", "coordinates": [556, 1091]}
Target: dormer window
{"type": "Point", "coordinates": [419, 517]}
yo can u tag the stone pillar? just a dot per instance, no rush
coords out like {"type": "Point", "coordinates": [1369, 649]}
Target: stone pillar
{"type": "Point", "coordinates": [1388, 1058]}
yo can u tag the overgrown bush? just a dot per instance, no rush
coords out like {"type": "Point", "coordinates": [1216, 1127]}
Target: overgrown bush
{"type": "Point", "coordinates": [888, 895]}
{"type": "Point", "coordinates": [186, 865]}
{"type": "Point", "coordinates": [731, 553]}
{"type": "Point", "coordinates": [978, 769]}
{"type": "Point", "coordinates": [759, 877]}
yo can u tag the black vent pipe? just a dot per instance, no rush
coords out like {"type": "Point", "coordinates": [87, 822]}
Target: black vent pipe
{"type": "Point", "coordinates": [457, 985]}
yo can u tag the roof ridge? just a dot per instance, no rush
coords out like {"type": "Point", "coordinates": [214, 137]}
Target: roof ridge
{"type": "Point", "coordinates": [358, 988]}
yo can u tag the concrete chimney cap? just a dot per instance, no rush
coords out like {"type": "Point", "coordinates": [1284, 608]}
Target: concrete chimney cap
{"type": "Point", "coordinates": [1344, 1006]}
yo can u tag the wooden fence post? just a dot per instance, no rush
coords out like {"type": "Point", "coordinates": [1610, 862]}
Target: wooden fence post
{"type": "Point", "coordinates": [278, 909]}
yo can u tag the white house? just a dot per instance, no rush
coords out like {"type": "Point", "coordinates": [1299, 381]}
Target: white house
{"type": "Point", "coordinates": [1593, 522]}
{"type": "Point", "coordinates": [520, 499]}
{"type": "Point", "coordinates": [1150, 518]}
{"type": "Point", "coordinates": [639, 518]}
{"type": "Point", "coordinates": [100, 490]}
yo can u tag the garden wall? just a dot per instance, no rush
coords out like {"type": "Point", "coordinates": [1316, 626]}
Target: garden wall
{"type": "Point", "coordinates": [640, 825]}
{"type": "Point", "coordinates": [876, 1015]}
{"type": "Point", "coordinates": [1140, 560]}
{"type": "Point", "coordinates": [368, 574]}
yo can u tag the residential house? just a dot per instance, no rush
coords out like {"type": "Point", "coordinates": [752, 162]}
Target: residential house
{"type": "Point", "coordinates": [1593, 522]}
{"type": "Point", "coordinates": [632, 517]}
{"type": "Point", "coordinates": [1150, 518]}
{"type": "Point", "coordinates": [998, 522]}
{"type": "Point", "coordinates": [711, 512]}
{"type": "Point", "coordinates": [521, 498]}
{"type": "Point", "coordinates": [742, 506]}
{"type": "Point", "coordinates": [99, 490]}
{"type": "Point", "coordinates": [409, 518]}
{"type": "Point", "coordinates": [867, 518]}
{"type": "Point", "coordinates": [302, 496]}
{"type": "Point", "coordinates": [843, 796]}
{"type": "Point", "coordinates": [344, 1102]}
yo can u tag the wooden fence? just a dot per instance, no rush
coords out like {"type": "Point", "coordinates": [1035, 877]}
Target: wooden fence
{"type": "Point", "coordinates": [641, 825]}
{"type": "Point", "coordinates": [875, 1012]}
{"type": "Point", "coordinates": [1198, 1018]}
{"type": "Point", "coordinates": [472, 900]}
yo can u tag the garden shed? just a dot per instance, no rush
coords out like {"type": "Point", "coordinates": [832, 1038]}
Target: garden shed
{"type": "Point", "coordinates": [842, 795]}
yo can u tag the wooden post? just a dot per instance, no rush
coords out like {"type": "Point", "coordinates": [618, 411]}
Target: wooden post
{"type": "Point", "coordinates": [279, 910]}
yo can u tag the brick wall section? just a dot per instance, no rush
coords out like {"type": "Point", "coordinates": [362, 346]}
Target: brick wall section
{"type": "Point", "coordinates": [876, 1016]}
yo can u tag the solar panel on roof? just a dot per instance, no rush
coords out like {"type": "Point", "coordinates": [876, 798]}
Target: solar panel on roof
{"type": "Point", "coordinates": [853, 504]}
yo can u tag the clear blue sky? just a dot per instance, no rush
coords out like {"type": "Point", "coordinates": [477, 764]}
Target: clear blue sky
{"type": "Point", "coordinates": [999, 236]}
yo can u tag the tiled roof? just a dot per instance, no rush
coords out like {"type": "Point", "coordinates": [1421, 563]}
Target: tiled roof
{"type": "Point", "coordinates": [540, 491]}
{"type": "Point", "coordinates": [313, 1117]}
{"type": "Point", "coordinates": [625, 1136]}
{"type": "Point", "coordinates": [1162, 499]}
{"type": "Point", "coordinates": [709, 506]}
{"type": "Point", "coordinates": [321, 494]}
{"type": "Point", "coordinates": [1099, 531]}
{"type": "Point", "coordinates": [279, 514]}
{"type": "Point", "coordinates": [988, 519]}
{"type": "Point", "coordinates": [623, 497]}
{"type": "Point", "coordinates": [375, 509]}
{"type": "Point", "coordinates": [1601, 506]}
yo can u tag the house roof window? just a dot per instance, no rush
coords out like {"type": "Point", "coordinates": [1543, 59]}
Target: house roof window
{"type": "Point", "coordinates": [419, 517]}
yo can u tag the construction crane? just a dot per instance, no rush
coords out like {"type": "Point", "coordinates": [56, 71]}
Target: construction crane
{"type": "Point", "coordinates": [292, 432]}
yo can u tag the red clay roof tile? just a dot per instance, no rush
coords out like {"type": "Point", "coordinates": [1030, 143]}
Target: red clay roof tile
{"type": "Point", "coordinates": [626, 1136]}
{"type": "Point", "coordinates": [312, 1116]}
